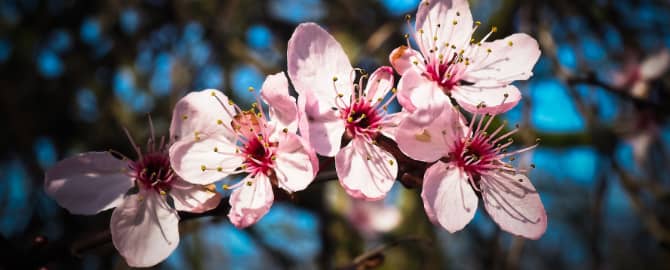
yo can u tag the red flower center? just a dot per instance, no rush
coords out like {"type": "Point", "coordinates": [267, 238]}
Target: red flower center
{"type": "Point", "coordinates": [153, 171]}
{"type": "Point", "coordinates": [446, 74]}
{"type": "Point", "coordinates": [362, 119]}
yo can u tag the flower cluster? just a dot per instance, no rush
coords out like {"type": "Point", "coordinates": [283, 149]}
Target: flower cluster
{"type": "Point", "coordinates": [341, 113]}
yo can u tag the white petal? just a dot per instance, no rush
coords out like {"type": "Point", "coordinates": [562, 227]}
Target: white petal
{"type": "Point", "coordinates": [366, 171]}
{"type": "Point", "coordinates": [145, 231]}
{"type": "Point", "coordinates": [448, 197]}
{"type": "Point", "coordinates": [88, 183]}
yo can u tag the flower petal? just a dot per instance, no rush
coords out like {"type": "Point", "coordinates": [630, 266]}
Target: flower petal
{"type": "Point", "coordinates": [421, 96]}
{"type": "Point", "coordinates": [426, 143]}
{"type": "Point", "coordinates": [379, 84]}
{"type": "Point", "coordinates": [448, 197]}
{"type": "Point", "coordinates": [404, 58]}
{"type": "Point", "coordinates": [509, 59]}
{"type": "Point", "coordinates": [194, 198]}
{"type": "Point", "coordinates": [204, 112]}
{"type": "Point", "coordinates": [315, 58]}
{"type": "Point", "coordinates": [145, 230]}
{"type": "Point", "coordinates": [204, 161]}
{"type": "Point", "coordinates": [497, 99]}
{"type": "Point", "coordinates": [282, 107]}
{"type": "Point", "coordinates": [514, 204]}
{"type": "Point", "coordinates": [251, 201]}
{"type": "Point", "coordinates": [293, 166]}
{"type": "Point", "coordinates": [366, 171]}
{"type": "Point", "coordinates": [655, 65]}
{"type": "Point", "coordinates": [454, 20]}
{"type": "Point", "coordinates": [325, 133]}
{"type": "Point", "coordinates": [88, 183]}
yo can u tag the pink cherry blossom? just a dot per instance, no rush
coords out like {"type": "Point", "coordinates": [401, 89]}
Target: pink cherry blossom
{"type": "Point", "coordinates": [218, 139]}
{"type": "Point", "coordinates": [470, 161]}
{"type": "Point", "coordinates": [146, 193]}
{"type": "Point", "coordinates": [450, 63]}
{"type": "Point", "coordinates": [373, 218]}
{"type": "Point", "coordinates": [333, 105]}
{"type": "Point", "coordinates": [636, 76]}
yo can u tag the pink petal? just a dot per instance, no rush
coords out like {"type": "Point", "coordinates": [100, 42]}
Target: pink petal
{"type": "Point", "coordinates": [366, 171]}
{"type": "Point", "coordinates": [505, 63]}
{"type": "Point", "coordinates": [203, 113]}
{"type": "Point", "coordinates": [497, 99]}
{"type": "Point", "coordinates": [213, 153]}
{"type": "Point", "coordinates": [655, 66]}
{"type": "Point", "coordinates": [282, 107]}
{"type": "Point", "coordinates": [294, 167]}
{"type": "Point", "coordinates": [430, 142]}
{"type": "Point", "coordinates": [445, 13]}
{"type": "Point", "coordinates": [392, 122]}
{"type": "Point", "coordinates": [379, 84]}
{"type": "Point", "coordinates": [145, 230]}
{"type": "Point", "coordinates": [404, 58]}
{"type": "Point", "coordinates": [88, 183]}
{"type": "Point", "coordinates": [194, 198]}
{"type": "Point", "coordinates": [251, 201]}
{"type": "Point", "coordinates": [448, 197]}
{"type": "Point", "coordinates": [421, 96]}
{"type": "Point", "coordinates": [314, 59]}
{"type": "Point", "coordinates": [513, 203]}
{"type": "Point", "coordinates": [325, 133]}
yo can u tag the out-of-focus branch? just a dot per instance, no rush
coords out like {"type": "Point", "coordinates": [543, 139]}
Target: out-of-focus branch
{"type": "Point", "coordinates": [375, 257]}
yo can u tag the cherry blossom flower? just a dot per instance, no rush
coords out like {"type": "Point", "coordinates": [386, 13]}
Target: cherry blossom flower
{"type": "Point", "coordinates": [470, 161]}
{"type": "Point", "coordinates": [450, 63]}
{"type": "Point", "coordinates": [218, 139]}
{"type": "Point", "coordinates": [635, 77]}
{"type": "Point", "coordinates": [146, 193]}
{"type": "Point", "coordinates": [332, 105]}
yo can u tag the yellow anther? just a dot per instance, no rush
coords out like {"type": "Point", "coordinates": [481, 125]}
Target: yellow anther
{"type": "Point", "coordinates": [421, 31]}
{"type": "Point", "coordinates": [368, 157]}
{"type": "Point", "coordinates": [340, 95]}
{"type": "Point", "coordinates": [219, 169]}
{"type": "Point", "coordinates": [162, 192]}
{"type": "Point", "coordinates": [494, 29]}
{"type": "Point", "coordinates": [510, 43]}
{"type": "Point", "coordinates": [455, 22]}
{"type": "Point", "coordinates": [230, 102]}
{"type": "Point", "coordinates": [210, 188]}
{"type": "Point", "coordinates": [203, 167]}
{"type": "Point", "coordinates": [350, 119]}
{"type": "Point", "coordinates": [225, 186]}
{"type": "Point", "coordinates": [458, 13]}
{"type": "Point", "coordinates": [213, 93]}
{"type": "Point", "coordinates": [394, 90]}
{"type": "Point", "coordinates": [184, 117]}
{"type": "Point", "coordinates": [249, 183]}
{"type": "Point", "coordinates": [219, 122]}
{"type": "Point", "coordinates": [408, 17]}
{"type": "Point", "coordinates": [478, 23]}
{"type": "Point", "coordinates": [285, 130]}
{"type": "Point", "coordinates": [273, 158]}
{"type": "Point", "coordinates": [488, 50]}
{"type": "Point", "coordinates": [435, 38]}
{"type": "Point", "coordinates": [391, 162]}
{"type": "Point", "coordinates": [251, 89]}
{"type": "Point", "coordinates": [216, 149]}
{"type": "Point", "coordinates": [334, 78]}
{"type": "Point", "coordinates": [406, 36]}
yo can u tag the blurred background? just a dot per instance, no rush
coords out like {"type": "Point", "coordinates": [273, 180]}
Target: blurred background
{"type": "Point", "coordinates": [74, 73]}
